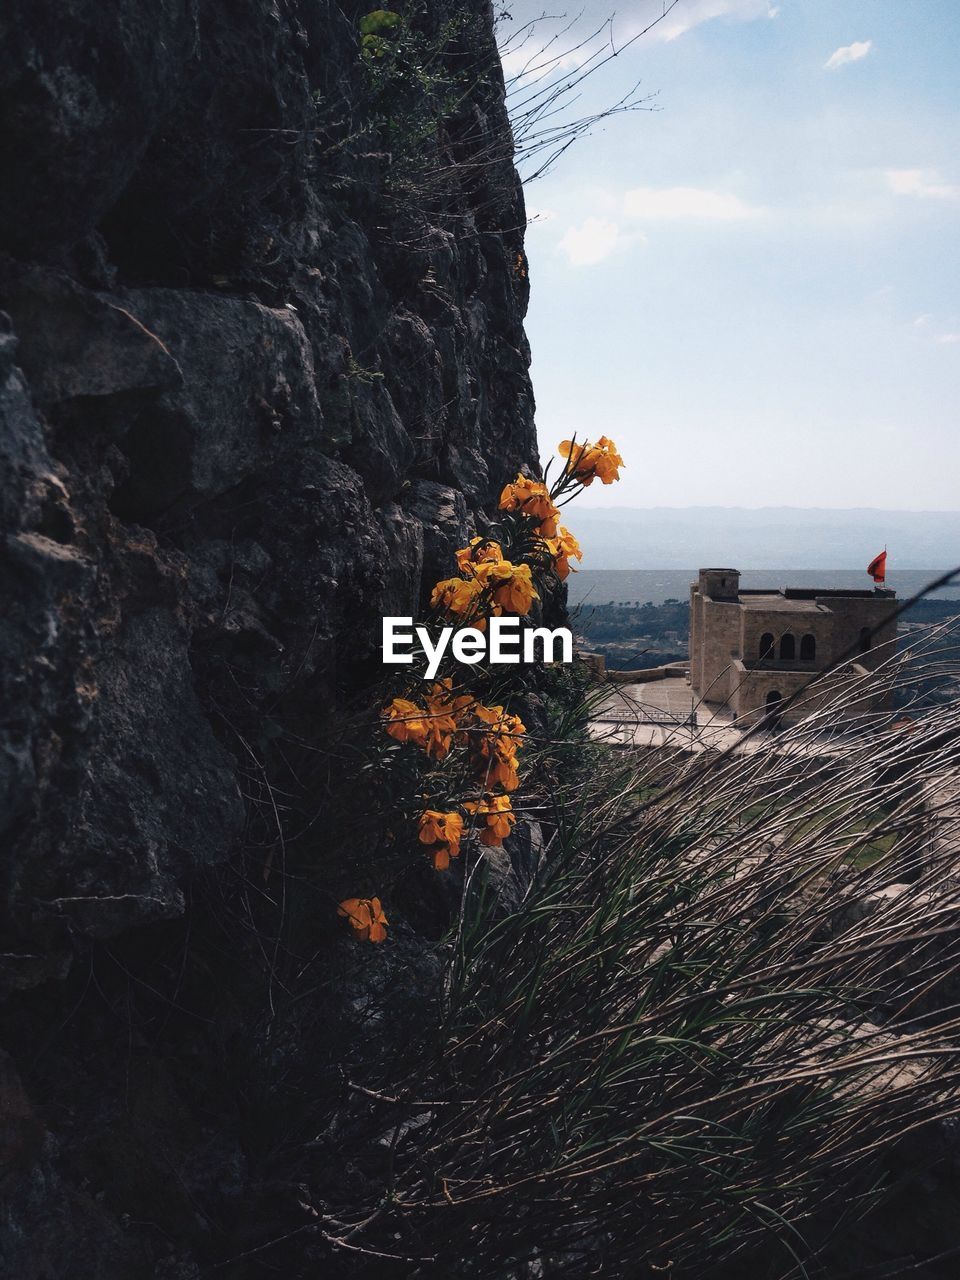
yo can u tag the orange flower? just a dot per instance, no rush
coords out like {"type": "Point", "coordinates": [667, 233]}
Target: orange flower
{"type": "Point", "coordinates": [432, 728]}
{"type": "Point", "coordinates": [480, 551]}
{"type": "Point", "coordinates": [510, 585]}
{"type": "Point", "coordinates": [498, 816]}
{"type": "Point", "coordinates": [441, 721]}
{"type": "Point", "coordinates": [405, 721]}
{"type": "Point", "coordinates": [495, 750]}
{"type": "Point", "coordinates": [366, 918]}
{"type": "Point", "coordinates": [458, 597]}
{"type": "Point", "coordinates": [589, 461]}
{"type": "Point", "coordinates": [441, 833]}
{"type": "Point", "coordinates": [504, 723]}
{"type": "Point", "coordinates": [533, 499]}
{"type": "Point", "coordinates": [441, 698]}
{"type": "Point", "coordinates": [501, 769]}
{"type": "Point", "coordinates": [562, 547]}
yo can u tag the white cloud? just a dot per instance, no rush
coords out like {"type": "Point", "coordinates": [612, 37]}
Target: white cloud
{"type": "Point", "coordinates": [528, 64]}
{"type": "Point", "coordinates": [685, 202]}
{"type": "Point", "coordinates": [690, 13]}
{"type": "Point", "coordinates": [848, 53]}
{"type": "Point", "coordinates": [932, 328]}
{"type": "Point", "coordinates": [591, 242]}
{"type": "Point", "coordinates": [525, 61]}
{"type": "Point", "coordinates": [927, 184]}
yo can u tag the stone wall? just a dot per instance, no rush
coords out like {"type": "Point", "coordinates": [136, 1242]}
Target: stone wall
{"type": "Point", "coordinates": [751, 688]}
{"type": "Point", "coordinates": [778, 623]}
{"type": "Point", "coordinates": [696, 635]}
{"type": "Point", "coordinates": [719, 648]}
{"type": "Point", "coordinates": [852, 615]}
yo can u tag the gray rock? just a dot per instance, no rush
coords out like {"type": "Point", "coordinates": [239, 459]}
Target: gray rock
{"type": "Point", "coordinates": [510, 870]}
{"type": "Point", "coordinates": [257, 403]}
{"type": "Point", "coordinates": [442, 512]}
{"type": "Point", "coordinates": [83, 85]}
{"type": "Point", "coordinates": [74, 342]}
{"type": "Point", "coordinates": [247, 378]}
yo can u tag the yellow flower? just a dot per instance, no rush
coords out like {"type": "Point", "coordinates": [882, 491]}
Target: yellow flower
{"type": "Point", "coordinates": [441, 833]}
{"type": "Point", "coordinates": [589, 461]}
{"type": "Point", "coordinates": [510, 585]}
{"type": "Point", "coordinates": [533, 499]}
{"type": "Point", "coordinates": [366, 917]}
{"type": "Point", "coordinates": [458, 597]}
{"type": "Point", "coordinates": [562, 548]}
{"type": "Point", "coordinates": [405, 721]}
{"type": "Point", "coordinates": [498, 816]}
{"type": "Point", "coordinates": [480, 551]}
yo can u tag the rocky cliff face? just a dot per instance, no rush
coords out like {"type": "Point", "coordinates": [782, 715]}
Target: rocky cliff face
{"type": "Point", "coordinates": [253, 392]}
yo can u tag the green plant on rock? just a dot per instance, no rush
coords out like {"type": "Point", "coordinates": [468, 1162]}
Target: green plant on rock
{"type": "Point", "coordinates": [419, 73]}
{"type": "Point", "coordinates": [374, 30]}
{"type": "Point", "coordinates": [362, 373]}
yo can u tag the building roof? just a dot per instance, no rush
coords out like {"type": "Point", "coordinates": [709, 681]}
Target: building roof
{"type": "Point", "coordinates": [775, 601]}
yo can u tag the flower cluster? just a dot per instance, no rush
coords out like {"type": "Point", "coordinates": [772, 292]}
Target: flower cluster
{"type": "Point", "coordinates": [480, 551]}
{"type": "Point", "coordinates": [490, 586]}
{"type": "Point", "coordinates": [588, 462]}
{"type": "Point", "coordinates": [491, 737]}
{"type": "Point", "coordinates": [495, 576]}
{"type": "Point", "coordinates": [459, 598]}
{"type": "Point", "coordinates": [498, 818]}
{"type": "Point", "coordinates": [431, 726]}
{"type": "Point", "coordinates": [563, 548]}
{"type": "Point", "coordinates": [510, 586]}
{"type": "Point", "coordinates": [493, 743]}
{"type": "Point", "coordinates": [532, 498]}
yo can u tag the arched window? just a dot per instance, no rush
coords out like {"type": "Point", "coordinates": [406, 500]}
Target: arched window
{"type": "Point", "coordinates": [808, 648]}
{"type": "Point", "coordinates": [766, 647]}
{"type": "Point", "coordinates": [865, 640]}
{"type": "Point", "coordinates": [788, 648]}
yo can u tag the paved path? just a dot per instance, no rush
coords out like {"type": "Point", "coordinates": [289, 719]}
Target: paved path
{"type": "Point", "coordinates": [662, 713]}
{"type": "Point", "coordinates": [665, 713]}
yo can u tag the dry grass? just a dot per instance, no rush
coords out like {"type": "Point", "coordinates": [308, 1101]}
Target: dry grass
{"type": "Point", "coordinates": [711, 1020]}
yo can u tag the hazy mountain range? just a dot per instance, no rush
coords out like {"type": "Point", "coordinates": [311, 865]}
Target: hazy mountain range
{"type": "Point", "coordinates": [765, 537]}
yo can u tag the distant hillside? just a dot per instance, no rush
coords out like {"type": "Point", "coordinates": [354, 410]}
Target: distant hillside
{"type": "Point", "coordinates": [767, 537]}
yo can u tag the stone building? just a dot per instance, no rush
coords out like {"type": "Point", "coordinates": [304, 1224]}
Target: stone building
{"type": "Point", "coordinates": [751, 649]}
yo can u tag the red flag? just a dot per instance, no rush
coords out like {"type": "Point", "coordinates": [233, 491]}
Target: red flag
{"type": "Point", "coordinates": [877, 568]}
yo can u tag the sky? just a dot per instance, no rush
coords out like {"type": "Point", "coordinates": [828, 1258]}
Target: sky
{"type": "Point", "coordinates": [754, 286]}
